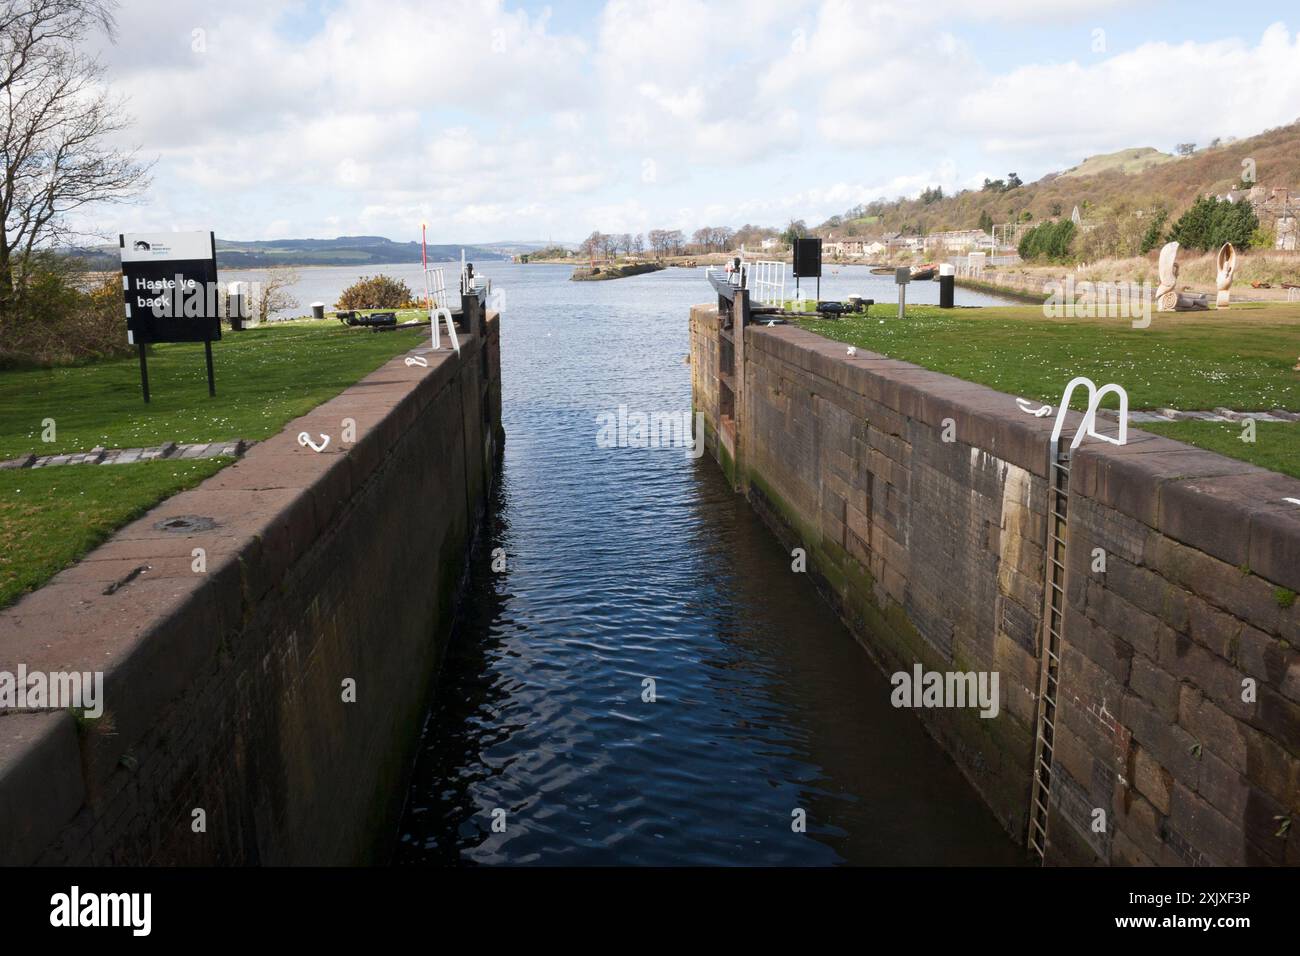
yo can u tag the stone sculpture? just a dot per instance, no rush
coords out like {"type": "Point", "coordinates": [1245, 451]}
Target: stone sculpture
{"type": "Point", "coordinates": [1168, 298]}
{"type": "Point", "coordinates": [1227, 261]}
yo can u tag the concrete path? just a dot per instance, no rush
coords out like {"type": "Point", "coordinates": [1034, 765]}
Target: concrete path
{"type": "Point", "coordinates": [171, 451]}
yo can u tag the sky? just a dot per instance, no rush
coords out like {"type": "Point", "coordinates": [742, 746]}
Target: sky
{"type": "Point", "coordinates": [493, 121]}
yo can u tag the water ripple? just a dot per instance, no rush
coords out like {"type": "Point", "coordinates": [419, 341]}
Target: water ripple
{"type": "Point", "coordinates": [629, 564]}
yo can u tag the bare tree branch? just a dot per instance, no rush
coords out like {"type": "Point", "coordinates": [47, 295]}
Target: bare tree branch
{"type": "Point", "coordinates": [56, 132]}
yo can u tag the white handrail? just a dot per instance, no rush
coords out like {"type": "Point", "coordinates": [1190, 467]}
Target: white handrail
{"type": "Point", "coordinates": [1087, 426]}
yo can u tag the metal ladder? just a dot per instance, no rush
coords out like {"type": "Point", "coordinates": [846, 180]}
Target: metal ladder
{"type": "Point", "coordinates": [1050, 661]}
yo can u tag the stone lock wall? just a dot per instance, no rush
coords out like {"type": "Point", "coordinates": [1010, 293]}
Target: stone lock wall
{"type": "Point", "coordinates": [224, 690]}
{"type": "Point", "coordinates": [1182, 711]}
{"type": "Point", "coordinates": [932, 550]}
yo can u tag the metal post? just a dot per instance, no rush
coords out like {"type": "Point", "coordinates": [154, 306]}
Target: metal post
{"type": "Point", "coordinates": [144, 373]}
{"type": "Point", "coordinates": [902, 298]}
{"type": "Point", "coordinates": [212, 379]}
{"type": "Point", "coordinates": [947, 282]}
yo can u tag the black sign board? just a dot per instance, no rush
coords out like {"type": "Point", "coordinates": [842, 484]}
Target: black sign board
{"type": "Point", "coordinates": [169, 280]}
{"type": "Point", "coordinates": [808, 258]}
{"type": "Point", "coordinates": [808, 262]}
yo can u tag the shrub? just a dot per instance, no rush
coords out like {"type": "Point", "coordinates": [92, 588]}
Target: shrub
{"type": "Point", "coordinates": [1048, 240]}
{"type": "Point", "coordinates": [1152, 238]}
{"type": "Point", "coordinates": [1263, 238]}
{"type": "Point", "coordinates": [1211, 222]}
{"type": "Point", "coordinates": [66, 317]}
{"type": "Point", "coordinates": [376, 292]}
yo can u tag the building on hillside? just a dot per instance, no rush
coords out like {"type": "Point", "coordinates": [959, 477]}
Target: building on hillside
{"type": "Point", "coordinates": [899, 243]}
{"type": "Point", "coordinates": [958, 240]}
{"type": "Point", "coordinates": [853, 248]}
{"type": "Point", "coordinates": [767, 245]}
{"type": "Point", "coordinates": [874, 248]}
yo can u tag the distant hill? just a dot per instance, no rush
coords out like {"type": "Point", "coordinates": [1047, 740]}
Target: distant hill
{"type": "Point", "coordinates": [514, 247]}
{"type": "Point", "coordinates": [343, 251]}
{"type": "Point", "coordinates": [1128, 161]}
{"type": "Point", "coordinates": [1134, 179]}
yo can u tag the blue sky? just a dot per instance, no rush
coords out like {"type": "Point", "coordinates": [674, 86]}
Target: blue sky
{"type": "Point", "coordinates": [494, 120]}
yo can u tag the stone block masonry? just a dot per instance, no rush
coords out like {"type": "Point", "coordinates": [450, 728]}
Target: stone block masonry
{"type": "Point", "coordinates": [224, 686]}
{"type": "Point", "coordinates": [921, 501]}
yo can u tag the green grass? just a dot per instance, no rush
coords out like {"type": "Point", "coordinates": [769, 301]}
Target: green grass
{"type": "Point", "coordinates": [49, 517]}
{"type": "Point", "coordinates": [1242, 359]}
{"type": "Point", "coordinates": [1276, 445]}
{"type": "Point", "coordinates": [1243, 362]}
{"type": "Point", "coordinates": [265, 377]}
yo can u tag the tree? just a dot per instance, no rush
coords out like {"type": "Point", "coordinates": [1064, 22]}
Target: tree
{"type": "Point", "coordinates": [751, 236]}
{"type": "Point", "coordinates": [1049, 240]}
{"type": "Point", "coordinates": [929, 195]}
{"type": "Point", "coordinates": [271, 293]}
{"type": "Point", "coordinates": [986, 221]}
{"type": "Point", "coordinates": [1185, 149]}
{"type": "Point", "coordinates": [1151, 238]}
{"type": "Point", "coordinates": [595, 245]}
{"type": "Point", "coordinates": [1013, 181]}
{"type": "Point", "coordinates": [665, 242]}
{"type": "Point", "coordinates": [56, 134]}
{"type": "Point", "coordinates": [1211, 222]}
{"type": "Point", "coordinates": [797, 229]}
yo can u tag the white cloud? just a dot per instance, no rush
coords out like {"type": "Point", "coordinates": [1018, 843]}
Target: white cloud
{"type": "Point", "coordinates": [1159, 92]}
{"type": "Point", "coordinates": [479, 116]}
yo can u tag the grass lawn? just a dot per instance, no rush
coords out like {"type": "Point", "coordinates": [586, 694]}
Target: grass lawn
{"type": "Point", "coordinates": [49, 517]}
{"type": "Point", "coordinates": [1242, 359]}
{"type": "Point", "coordinates": [1276, 445]}
{"type": "Point", "coordinates": [265, 377]}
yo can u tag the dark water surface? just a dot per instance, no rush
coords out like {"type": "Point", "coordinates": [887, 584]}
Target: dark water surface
{"type": "Point", "coordinates": [625, 564]}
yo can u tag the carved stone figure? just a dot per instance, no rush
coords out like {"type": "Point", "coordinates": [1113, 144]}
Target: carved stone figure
{"type": "Point", "coordinates": [1166, 294]}
{"type": "Point", "coordinates": [1168, 298]}
{"type": "Point", "coordinates": [1227, 266]}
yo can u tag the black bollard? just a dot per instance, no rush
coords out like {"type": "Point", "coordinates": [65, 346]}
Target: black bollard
{"type": "Point", "coordinates": [947, 286]}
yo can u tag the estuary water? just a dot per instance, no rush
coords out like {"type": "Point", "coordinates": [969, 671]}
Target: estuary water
{"type": "Point", "coordinates": [548, 744]}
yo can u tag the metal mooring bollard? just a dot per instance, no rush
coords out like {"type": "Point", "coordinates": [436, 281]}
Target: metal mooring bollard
{"type": "Point", "coordinates": [947, 285]}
